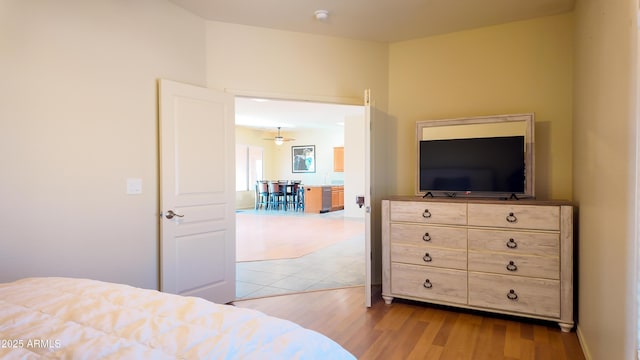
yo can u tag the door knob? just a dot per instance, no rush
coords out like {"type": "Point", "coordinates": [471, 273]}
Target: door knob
{"type": "Point", "coordinates": [170, 214]}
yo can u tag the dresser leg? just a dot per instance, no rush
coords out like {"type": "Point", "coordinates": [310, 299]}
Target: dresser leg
{"type": "Point", "coordinates": [565, 327]}
{"type": "Point", "coordinates": [387, 299]}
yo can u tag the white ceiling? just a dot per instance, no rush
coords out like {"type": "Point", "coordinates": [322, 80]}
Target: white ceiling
{"type": "Point", "coordinates": [374, 20]}
{"type": "Point", "coordinates": [290, 115]}
{"type": "Point", "coordinates": [369, 20]}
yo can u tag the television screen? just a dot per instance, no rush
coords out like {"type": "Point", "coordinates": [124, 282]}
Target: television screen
{"type": "Point", "coordinates": [484, 165]}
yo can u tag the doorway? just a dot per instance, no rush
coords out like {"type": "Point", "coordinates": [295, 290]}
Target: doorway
{"type": "Point", "coordinates": [334, 258]}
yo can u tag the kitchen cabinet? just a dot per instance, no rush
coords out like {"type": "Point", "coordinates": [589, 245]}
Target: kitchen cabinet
{"type": "Point", "coordinates": [337, 198]}
{"type": "Point", "coordinates": [323, 198]}
{"type": "Point", "coordinates": [338, 159]}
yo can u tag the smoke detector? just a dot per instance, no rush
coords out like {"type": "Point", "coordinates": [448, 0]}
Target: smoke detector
{"type": "Point", "coordinates": [321, 14]}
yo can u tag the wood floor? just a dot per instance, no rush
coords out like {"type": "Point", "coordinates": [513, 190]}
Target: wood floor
{"type": "Point", "coordinates": [409, 330]}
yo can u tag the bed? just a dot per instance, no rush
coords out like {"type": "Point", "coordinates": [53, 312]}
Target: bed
{"type": "Point", "coordinates": [88, 319]}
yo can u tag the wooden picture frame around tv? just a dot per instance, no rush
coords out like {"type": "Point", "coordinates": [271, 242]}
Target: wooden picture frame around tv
{"type": "Point", "coordinates": [482, 126]}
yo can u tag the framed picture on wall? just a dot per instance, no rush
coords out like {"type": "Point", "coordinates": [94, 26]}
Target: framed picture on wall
{"type": "Point", "coordinates": [303, 159]}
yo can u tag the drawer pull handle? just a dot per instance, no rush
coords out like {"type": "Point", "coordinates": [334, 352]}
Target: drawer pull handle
{"type": "Point", "coordinates": [512, 267]}
{"type": "Point", "coordinates": [426, 214]}
{"type": "Point", "coordinates": [512, 295]}
{"type": "Point", "coordinates": [427, 284]}
{"type": "Point", "coordinates": [512, 244]}
{"type": "Point", "coordinates": [427, 258]}
{"type": "Point", "coordinates": [512, 218]}
{"type": "Point", "coordinates": [426, 237]}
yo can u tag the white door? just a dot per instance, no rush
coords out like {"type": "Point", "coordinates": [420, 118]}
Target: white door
{"type": "Point", "coordinates": [379, 167]}
{"type": "Point", "coordinates": [197, 202]}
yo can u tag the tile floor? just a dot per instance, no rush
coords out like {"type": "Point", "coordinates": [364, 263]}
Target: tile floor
{"type": "Point", "coordinates": [335, 266]}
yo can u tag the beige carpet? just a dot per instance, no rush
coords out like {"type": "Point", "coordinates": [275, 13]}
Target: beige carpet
{"type": "Point", "coordinates": [263, 235]}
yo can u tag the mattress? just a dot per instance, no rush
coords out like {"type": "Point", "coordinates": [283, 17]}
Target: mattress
{"type": "Point", "coordinates": [65, 318]}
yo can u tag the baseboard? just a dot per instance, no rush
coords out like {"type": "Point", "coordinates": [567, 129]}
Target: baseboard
{"type": "Point", "coordinates": [583, 344]}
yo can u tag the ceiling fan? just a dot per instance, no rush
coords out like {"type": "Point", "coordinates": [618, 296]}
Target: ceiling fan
{"type": "Point", "coordinates": [279, 139]}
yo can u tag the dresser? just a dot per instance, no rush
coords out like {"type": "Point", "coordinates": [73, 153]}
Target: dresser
{"type": "Point", "coordinates": [511, 257]}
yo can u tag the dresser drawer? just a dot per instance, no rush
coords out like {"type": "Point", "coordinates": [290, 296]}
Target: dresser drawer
{"type": "Point", "coordinates": [429, 212]}
{"type": "Point", "coordinates": [515, 242]}
{"type": "Point", "coordinates": [429, 256]}
{"type": "Point", "coordinates": [530, 296]}
{"type": "Point", "coordinates": [515, 216]}
{"type": "Point", "coordinates": [429, 283]}
{"type": "Point", "coordinates": [518, 265]}
{"type": "Point", "coordinates": [440, 236]}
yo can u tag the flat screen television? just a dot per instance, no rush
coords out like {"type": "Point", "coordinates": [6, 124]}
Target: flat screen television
{"type": "Point", "coordinates": [483, 166]}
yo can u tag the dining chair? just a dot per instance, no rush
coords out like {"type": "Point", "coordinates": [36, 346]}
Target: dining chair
{"type": "Point", "coordinates": [300, 198]}
{"type": "Point", "coordinates": [295, 192]}
{"type": "Point", "coordinates": [291, 196]}
{"type": "Point", "coordinates": [284, 187]}
{"type": "Point", "coordinates": [276, 195]}
{"type": "Point", "coordinates": [262, 194]}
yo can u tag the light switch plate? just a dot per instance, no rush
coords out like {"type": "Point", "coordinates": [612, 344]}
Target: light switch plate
{"type": "Point", "coordinates": [134, 186]}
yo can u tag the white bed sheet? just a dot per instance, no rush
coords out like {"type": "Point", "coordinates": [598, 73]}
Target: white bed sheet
{"type": "Point", "coordinates": [64, 318]}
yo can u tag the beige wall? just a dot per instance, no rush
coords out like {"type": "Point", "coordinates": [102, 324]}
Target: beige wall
{"type": "Point", "coordinates": [77, 118]}
{"type": "Point", "coordinates": [519, 67]}
{"type": "Point", "coordinates": [294, 65]}
{"type": "Point", "coordinates": [605, 168]}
